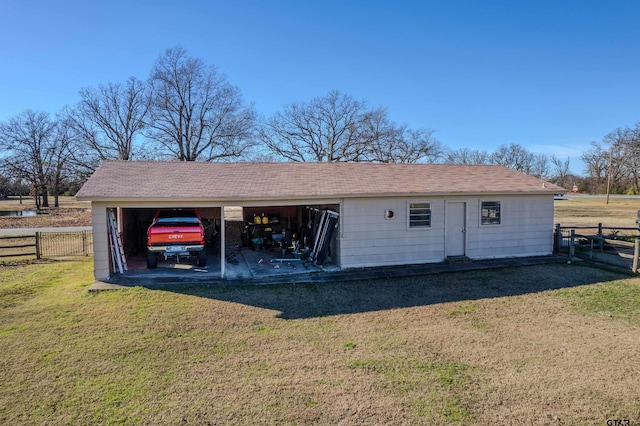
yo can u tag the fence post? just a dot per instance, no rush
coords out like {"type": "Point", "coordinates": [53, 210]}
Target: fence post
{"type": "Point", "coordinates": [38, 253]}
{"type": "Point", "coordinates": [636, 247]}
{"type": "Point", "coordinates": [557, 239]}
{"type": "Point", "coordinates": [572, 250]}
{"type": "Point", "coordinates": [84, 243]}
{"type": "Point", "coordinates": [600, 237]}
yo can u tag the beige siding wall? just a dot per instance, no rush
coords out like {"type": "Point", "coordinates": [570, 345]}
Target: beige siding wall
{"type": "Point", "coordinates": [100, 241]}
{"type": "Point", "coordinates": [369, 239]}
{"type": "Point", "coordinates": [526, 228]}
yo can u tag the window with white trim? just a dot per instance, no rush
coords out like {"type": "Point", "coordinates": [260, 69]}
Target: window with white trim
{"type": "Point", "coordinates": [490, 213]}
{"type": "Point", "coordinates": [419, 215]}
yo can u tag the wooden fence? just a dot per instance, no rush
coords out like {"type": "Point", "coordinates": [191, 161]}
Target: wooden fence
{"type": "Point", "coordinates": [46, 245]}
{"type": "Point", "coordinates": [23, 246]}
{"type": "Point", "coordinates": [619, 246]}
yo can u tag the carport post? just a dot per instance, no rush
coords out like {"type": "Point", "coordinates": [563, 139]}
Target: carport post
{"type": "Point", "coordinates": [223, 250]}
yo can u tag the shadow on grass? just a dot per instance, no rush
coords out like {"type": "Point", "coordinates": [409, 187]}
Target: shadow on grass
{"type": "Point", "coordinates": [308, 300]}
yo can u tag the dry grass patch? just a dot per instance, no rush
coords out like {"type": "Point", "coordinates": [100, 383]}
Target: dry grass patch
{"type": "Point", "coordinates": [589, 211]}
{"type": "Point", "coordinates": [506, 346]}
{"type": "Point", "coordinates": [70, 213]}
{"type": "Point", "coordinates": [58, 217]}
{"type": "Point", "coordinates": [28, 203]}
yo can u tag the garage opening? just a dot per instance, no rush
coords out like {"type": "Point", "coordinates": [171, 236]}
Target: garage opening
{"type": "Point", "coordinates": [276, 240]}
{"type": "Point", "coordinates": [133, 224]}
{"type": "Point", "coordinates": [258, 241]}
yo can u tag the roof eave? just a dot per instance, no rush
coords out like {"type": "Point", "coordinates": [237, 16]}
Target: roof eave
{"type": "Point", "coordinates": [302, 197]}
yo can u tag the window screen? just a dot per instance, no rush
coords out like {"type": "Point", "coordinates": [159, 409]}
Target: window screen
{"type": "Point", "coordinates": [419, 215]}
{"type": "Point", "coordinates": [490, 213]}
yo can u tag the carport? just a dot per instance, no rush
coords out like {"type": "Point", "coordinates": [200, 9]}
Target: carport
{"type": "Point", "coordinates": [243, 228]}
{"type": "Point", "coordinates": [241, 242]}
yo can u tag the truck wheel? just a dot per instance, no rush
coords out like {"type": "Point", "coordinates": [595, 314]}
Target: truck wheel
{"type": "Point", "coordinates": [202, 258]}
{"type": "Point", "coordinates": [152, 260]}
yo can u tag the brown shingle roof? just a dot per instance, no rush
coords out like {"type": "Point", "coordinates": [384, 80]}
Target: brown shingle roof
{"type": "Point", "coordinates": [127, 180]}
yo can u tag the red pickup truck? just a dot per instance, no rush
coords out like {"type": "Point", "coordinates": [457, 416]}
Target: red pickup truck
{"type": "Point", "coordinates": [176, 233]}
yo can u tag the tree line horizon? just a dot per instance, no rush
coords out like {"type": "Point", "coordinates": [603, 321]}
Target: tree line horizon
{"type": "Point", "coordinates": [188, 110]}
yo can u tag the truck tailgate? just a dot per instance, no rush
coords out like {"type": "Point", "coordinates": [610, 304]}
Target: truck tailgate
{"type": "Point", "coordinates": [179, 235]}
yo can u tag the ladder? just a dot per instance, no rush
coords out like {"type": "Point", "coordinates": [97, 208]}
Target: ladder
{"type": "Point", "coordinates": [119, 261]}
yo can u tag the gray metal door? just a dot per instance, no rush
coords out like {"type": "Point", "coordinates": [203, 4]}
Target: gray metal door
{"type": "Point", "coordinates": [455, 229]}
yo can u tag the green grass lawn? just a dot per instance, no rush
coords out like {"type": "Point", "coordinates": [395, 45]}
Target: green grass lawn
{"type": "Point", "coordinates": [381, 352]}
{"type": "Point", "coordinates": [619, 300]}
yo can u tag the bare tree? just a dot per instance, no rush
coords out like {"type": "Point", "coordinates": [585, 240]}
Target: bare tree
{"type": "Point", "coordinates": [560, 169]}
{"type": "Point", "coordinates": [629, 141]}
{"type": "Point", "coordinates": [329, 128]}
{"type": "Point", "coordinates": [195, 113]}
{"type": "Point", "coordinates": [515, 157]}
{"type": "Point", "coordinates": [60, 156]}
{"type": "Point", "coordinates": [408, 146]}
{"type": "Point", "coordinates": [337, 127]}
{"type": "Point", "coordinates": [466, 156]}
{"type": "Point", "coordinates": [540, 166]}
{"type": "Point", "coordinates": [33, 149]}
{"type": "Point", "coordinates": [107, 120]}
{"type": "Point", "coordinates": [605, 163]}
{"type": "Point", "coordinates": [384, 141]}
{"type": "Point", "coordinates": [6, 186]}
{"type": "Point", "coordinates": [596, 160]}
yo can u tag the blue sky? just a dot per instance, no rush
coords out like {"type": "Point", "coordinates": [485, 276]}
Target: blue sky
{"type": "Point", "coordinates": [549, 75]}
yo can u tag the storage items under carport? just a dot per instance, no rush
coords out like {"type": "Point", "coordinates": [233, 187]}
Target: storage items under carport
{"type": "Point", "coordinates": [310, 239]}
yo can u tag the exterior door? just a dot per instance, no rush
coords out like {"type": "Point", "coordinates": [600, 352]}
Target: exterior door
{"type": "Point", "coordinates": [456, 228]}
